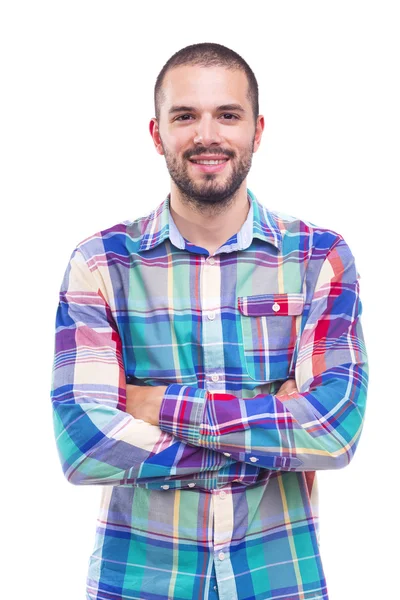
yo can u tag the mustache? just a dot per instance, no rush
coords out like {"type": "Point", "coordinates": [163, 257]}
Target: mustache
{"type": "Point", "coordinates": [204, 151]}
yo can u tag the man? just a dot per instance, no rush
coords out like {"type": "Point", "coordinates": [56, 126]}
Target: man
{"type": "Point", "coordinates": [209, 360]}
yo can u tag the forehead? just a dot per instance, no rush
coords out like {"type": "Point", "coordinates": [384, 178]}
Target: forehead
{"type": "Point", "coordinates": [205, 87]}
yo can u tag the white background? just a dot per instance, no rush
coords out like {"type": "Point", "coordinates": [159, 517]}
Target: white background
{"type": "Point", "coordinates": [77, 95]}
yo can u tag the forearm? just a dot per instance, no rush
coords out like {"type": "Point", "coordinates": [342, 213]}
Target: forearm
{"type": "Point", "coordinates": [99, 444]}
{"type": "Point", "coordinates": [285, 433]}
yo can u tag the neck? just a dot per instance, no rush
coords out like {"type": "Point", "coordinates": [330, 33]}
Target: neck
{"type": "Point", "coordinates": [209, 226]}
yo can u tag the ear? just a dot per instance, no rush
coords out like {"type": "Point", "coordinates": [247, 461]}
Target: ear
{"type": "Point", "coordinates": [155, 134]}
{"type": "Point", "coordinates": [259, 131]}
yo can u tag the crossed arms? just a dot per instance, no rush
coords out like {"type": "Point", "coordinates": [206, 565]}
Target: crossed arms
{"type": "Point", "coordinates": [201, 435]}
{"type": "Point", "coordinates": [144, 402]}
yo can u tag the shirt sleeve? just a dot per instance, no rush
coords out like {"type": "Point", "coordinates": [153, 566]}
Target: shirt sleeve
{"type": "Point", "coordinates": [97, 440]}
{"type": "Point", "coordinates": [317, 427]}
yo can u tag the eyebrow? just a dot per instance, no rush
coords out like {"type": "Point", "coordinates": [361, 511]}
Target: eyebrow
{"type": "Point", "coordinates": [176, 109]}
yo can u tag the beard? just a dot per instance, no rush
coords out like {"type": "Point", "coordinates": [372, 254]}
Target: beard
{"type": "Point", "coordinates": [208, 194]}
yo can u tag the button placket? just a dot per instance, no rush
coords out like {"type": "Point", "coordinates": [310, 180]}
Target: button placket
{"type": "Point", "coordinates": [210, 295]}
{"type": "Point", "coordinates": [223, 523]}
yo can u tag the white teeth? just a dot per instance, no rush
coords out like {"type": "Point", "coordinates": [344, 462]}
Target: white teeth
{"type": "Point", "coordinates": [210, 162]}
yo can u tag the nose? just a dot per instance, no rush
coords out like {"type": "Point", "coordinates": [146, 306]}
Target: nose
{"type": "Point", "coordinates": [207, 132]}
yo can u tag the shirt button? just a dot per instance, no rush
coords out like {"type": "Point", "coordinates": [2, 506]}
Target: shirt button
{"type": "Point", "coordinates": [226, 453]}
{"type": "Point", "coordinates": [211, 315]}
{"type": "Point", "coordinates": [253, 459]}
{"type": "Point", "coordinates": [191, 484]}
{"type": "Point", "coordinates": [215, 377]}
{"type": "Point", "coordinates": [222, 494]}
{"type": "Point", "coordinates": [276, 307]}
{"type": "Point", "coordinates": [165, 487]}
{"type": "Point", "coordinates": [215, 587]}
{"type": "Point", "coordinates": [221, 556]}
{"type": "Point", "coordinates": [211, 261]}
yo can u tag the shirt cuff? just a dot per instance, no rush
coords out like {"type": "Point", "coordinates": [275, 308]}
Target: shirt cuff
{"type": "Point", "coordinates": [182, 410]}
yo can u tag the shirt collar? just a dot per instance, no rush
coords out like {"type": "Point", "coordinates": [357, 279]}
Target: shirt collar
{"type": "Point", "coordinates": [260, 223]}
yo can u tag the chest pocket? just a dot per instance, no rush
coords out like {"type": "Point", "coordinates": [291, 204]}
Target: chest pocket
{"type": "Point", "coordinates": [270, 324]}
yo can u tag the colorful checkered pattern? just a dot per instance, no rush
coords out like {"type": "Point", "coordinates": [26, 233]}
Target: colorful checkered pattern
{"type": "Point", "coordinates": [220, 500]}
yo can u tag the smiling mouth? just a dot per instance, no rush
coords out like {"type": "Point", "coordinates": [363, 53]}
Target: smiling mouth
{"type": "Point", "coordinates": [209, 166]}
{"type": "Point", "coordinates": [209, 162]}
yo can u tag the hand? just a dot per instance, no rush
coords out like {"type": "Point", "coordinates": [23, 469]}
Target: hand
{"type": "Point", "coordinates": [144, 401]}
{"type": "Point", "coordinates": [288, 387]}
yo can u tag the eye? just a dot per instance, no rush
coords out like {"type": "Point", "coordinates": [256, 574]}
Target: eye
{"type": "Point", "coordinates": [229, 116]}
{"type": "Point", "coordinates": [182, 117]}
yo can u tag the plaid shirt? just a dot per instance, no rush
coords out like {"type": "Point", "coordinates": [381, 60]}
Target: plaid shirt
{"type": "Point", "coordinates": [220, 500]}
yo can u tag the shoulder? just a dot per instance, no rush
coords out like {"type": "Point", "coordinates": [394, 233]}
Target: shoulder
{"type": "Point", "coordinates": [119, 239]}
{"type": "Point", "coordinates": [310, 234]}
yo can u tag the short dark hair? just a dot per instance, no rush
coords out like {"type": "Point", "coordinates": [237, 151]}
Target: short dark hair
{"type": "Point", "coordinates": [207, 54]}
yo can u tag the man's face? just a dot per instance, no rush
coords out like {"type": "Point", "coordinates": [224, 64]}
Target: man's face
{"type": "Point", "coordinates": [206, 115]}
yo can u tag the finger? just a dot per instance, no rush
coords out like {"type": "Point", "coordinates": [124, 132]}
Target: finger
{"type": "Point", "coordinates": [287, 387]}
{"type": "Point", "coordinates": [286, 384]}
{"type": "Point", "coordinates": [291, 384]}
